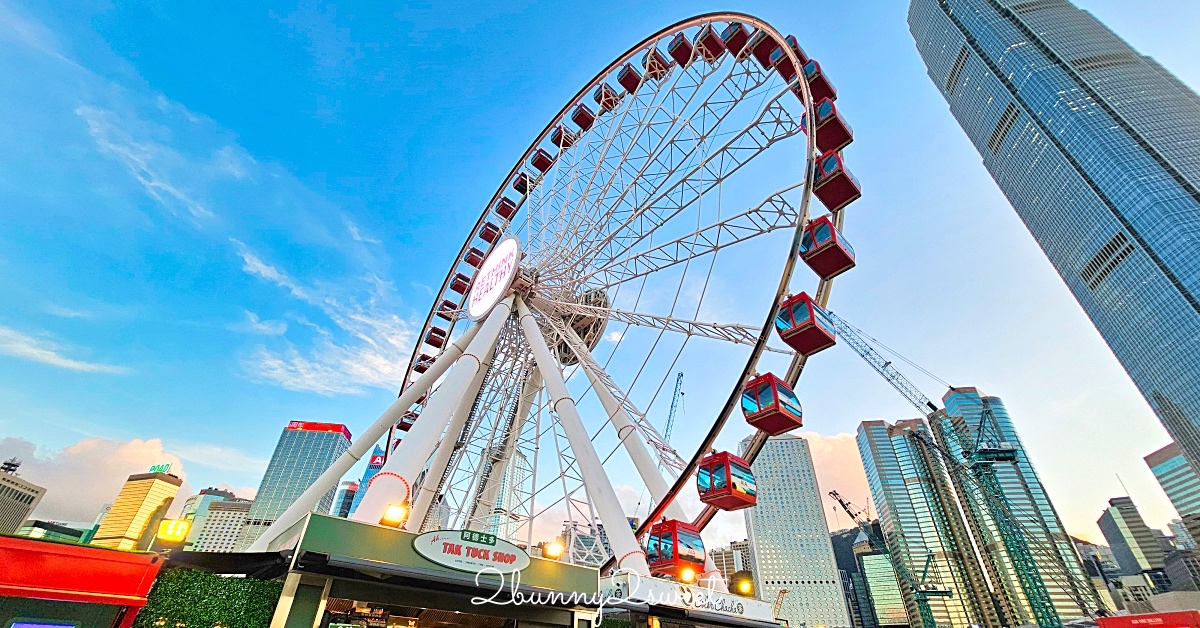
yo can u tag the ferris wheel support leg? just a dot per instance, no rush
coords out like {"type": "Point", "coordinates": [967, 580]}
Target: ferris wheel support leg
{"type": "Point", "coordinates": [393, 483]}
{"type": "Point", "coordinates": [643, 460]}
{"type": "Point", "coordinates": [430, 486]}
{"type": "Point", "coordinates": [600, 492]}
{"type": "Point", "coordinates": [491, 487]}
{"type": "Point", "coordinates": [330, 478]}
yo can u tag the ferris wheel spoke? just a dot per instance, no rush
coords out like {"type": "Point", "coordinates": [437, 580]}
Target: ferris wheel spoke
{"type": "Point", "coordinates": [773, 124]}
{"type": "Point", "coordinates": [772, 214]}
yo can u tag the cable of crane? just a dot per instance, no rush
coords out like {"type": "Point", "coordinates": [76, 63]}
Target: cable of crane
{"type": "Point", "coordinates": [895, 353]}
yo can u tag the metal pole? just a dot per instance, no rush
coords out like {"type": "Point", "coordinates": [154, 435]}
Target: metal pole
{"type": "Point", "coordinates": [330, 478]}
{"type": "Point", "coordinates": [628, 552]}
{"type": "Point", "coordinates": [393, 484]}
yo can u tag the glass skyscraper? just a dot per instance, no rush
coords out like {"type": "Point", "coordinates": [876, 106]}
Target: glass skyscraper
{"type": "Point", "coordinates": [1053, 551]}
{"type": "Point", "coordinates": [373, 467]}
{"type": "Point", "coordinates": [303, 453]}
{"type": "Point", "coordinates": [789, 537]}
{"type": "Point", "coordinates": [1098, 150]}
{"type": "Point", "coordinates": [1178, 480]}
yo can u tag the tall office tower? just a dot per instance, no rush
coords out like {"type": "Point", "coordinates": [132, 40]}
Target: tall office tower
{"type": "Point", "coordinates": [887, 602]}
{"type": "Point", "coordinates": [789, 537]}
{"type": "Point", "coordinates": [1058, 563]}
{"type": "Point", "coordinates": [373, 467]}
{"type": "Point", "coordinates": [195, 509]}
{"type": "Point", "coordinates": [732, 559]}
{"type": "Point", "coordinates": [1183, 538]}
{"type": "Point", "coordinates": [509, 495]}
{"type": "Point", "coordinates": [134, 516]}
{"type": "Point", "coordinates": [1133, 543]}
{"type": "Point", "coordinates": [18, 497]}
{"type": "Point", "coordinates": [303, 453]}
{"type": "Point", "coordinates": [586, 546]}
{"type": "Point", "coordinates": [1179, 481]}
{"type": "Point", "coordinates": [223, 527]}
{"type": "Point", "coordinates": [854, 587]}
{"type": "Point", "coordinates": [344, 499]}
{"type": "Point", "coordinates": [1094, 146]}
{"type": "Point", "coordinates": [920, 518]}
{"type": "Point", "coordinates": [49, 530]}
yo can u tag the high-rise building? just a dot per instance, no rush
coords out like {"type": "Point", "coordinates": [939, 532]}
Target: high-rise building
{"type": "Point", "coordinates": [586, 546]}
{"type": "Point", "coordinates": [732, 559]}
{"type": "Point", "coordinates": [854, 587]}
{"type": "Point", "coordinates": [1178, 480]}
{"type": "Point", "coordinates": [195, 509]}
{"type": "Point", "coordinates": [1133, 543]}
{"type": "Point", "coordinates": [223, 527]}
{"type": "Point", "coordinates": [18, 497]}
{"type": "Point", "coordinates": [789, 537]}
{"type": "Point", "coordinates": [143, 501]}
{"type": "Point", "coordinates": [51, 531]}
{"type": "Point", "coordinates": [887, 602]}
{"type": "Point", "coordinates": [920, 519]}
{"type": "Point", "coordinates": [373, 466]}
{"type": "Point", "coordinates": [1183, 570]}
{"type": "Point", "coordinates": [1183, 538]}
{"type": "Point", "coordinates": [344, 500]}
{"type": "Point", "coordinates": [1058, 564]}
{"type": "Point", "coordinates": [1099, 555]}
{"type": "Point", "coordinates": [1094, 146]}
{"type": "Point", "coordinates": [506, 516]}
{"type": "Point", "coordinates": [304, 451]}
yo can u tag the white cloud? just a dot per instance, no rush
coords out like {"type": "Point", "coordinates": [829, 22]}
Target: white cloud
{"type": "Point", "coordinates": [254, 325]}
{"type": "Point", "coordinates": [18, 345]}
{"type": "Point", "coordinates": [614, 336]}
{"type": "Point", "coordinates": [220, 457]}
{"type": "Point", "coordinates": [357, 234]}
{"type": "Point", "coordinates": [65, 312]}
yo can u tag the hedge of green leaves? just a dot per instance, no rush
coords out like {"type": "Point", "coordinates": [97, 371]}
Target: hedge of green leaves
{"type": "Point", "coordinates": [197, 599]}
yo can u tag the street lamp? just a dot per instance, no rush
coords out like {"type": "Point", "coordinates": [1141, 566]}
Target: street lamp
{"type": "Point", "coordinates": [395, 515]}
{"type": "Point", "coordinates": [742, 583]}
{"type": "Point", "coordinates": [554, 549]}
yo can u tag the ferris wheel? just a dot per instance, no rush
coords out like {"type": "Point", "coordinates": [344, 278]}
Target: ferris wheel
{"type": "Point", "coordinates": [653, 226]}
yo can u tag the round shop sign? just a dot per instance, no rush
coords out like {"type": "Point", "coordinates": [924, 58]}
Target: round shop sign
{"type": "Point", "coordinates": [495, 276]}
{"type": "Point", "coordinates": [474, 552]}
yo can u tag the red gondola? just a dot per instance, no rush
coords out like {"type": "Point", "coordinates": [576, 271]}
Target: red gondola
{"type": "Point", "coordinates": [606, 97]}
{"type": "Point", "coordinates": [423, 363]}
{"type": "Point", "coordinates": [436, 337]}
{"type": "Point", "coordinates": [674, 549]}
{"type": "Point", "coordinates": [835, 186]}
{"type": "Point", "coordinates": [761, 45]}
{"type": "Point", "coordinates": [804, 326]}
{"type": "Point", "coordinates": [460, 284]}
{"type": "Point", "coordinates": [561, 137]}
{"type": "Point", "coordinates": [783, 64]}
{"type": "Point", "coordinates": [825, 249]}
{"type": "Point", "coordinates": [790, 40]}
{"type": "Point", "coordinates": [770, 405]}
{"type": "Point", "coordinates": [656, 64]}
{"type": "Point", "coordinates": [680, 50]}
{"type": "Point", "coordinates": [832, 131]}
{"type": "Point", "coordinates": [735, 36]}
{"type": "Point", "coordinates": [474, 257]}
{"type": "Point", "coordinates": [446, 309]}
{"type": "Point", "coordinates": [819, 85]}
{"type": "Point", "coordinates": [541, 160]}
{"type": "Point", "coordinates": [709, 44]}
{"type": "Point", "coordinates": [521, 183]}
{"type": "Point", "coordinates": [629, 78]}
{"type": "Point", "coordinates": [489, 232]}
{"type": "Point", "coordinates": [583, 117]}
{"type": "Point", "coordinates": [506, 208]}
{"type": "Point", "coordinates": [406, 422]}
{"type": "Point", "coordinates": [726, 482]}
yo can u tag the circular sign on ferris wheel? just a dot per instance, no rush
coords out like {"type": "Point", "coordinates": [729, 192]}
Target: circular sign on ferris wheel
{"type": "Point", "coordinates": [495, 276]}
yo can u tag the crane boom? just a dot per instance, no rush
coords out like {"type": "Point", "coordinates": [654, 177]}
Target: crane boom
{"type": "Point", "coordinates": [675, 397]}
{"type": "Point", "coordinates": [883, 366]}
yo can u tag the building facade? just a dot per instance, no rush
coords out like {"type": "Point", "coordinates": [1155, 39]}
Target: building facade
{"type": "Point", "coordinates": [1178, 480]}
{"type": "Point", "coordinates": [373, 466]}
{"type": "Point", "coordinates": [51, 531]}
{"type": "Point", "coordinates": [1183, 570]}
{"type": "Point", "coordinates": [883, 587]}
{"type": "Point", "coordinates": [18, 498]}
{"type": "Point", "coordinates": [304, 451]}
{"type": "Point", "coordinates": [854, 587]}
{"type": "Point", "coordinates": [1133, 544]}
{"type": "Point", "coordinates": [732, 559]}
{"type": "Point", "coordinates": [789, 537]}
{"type": "Point", "coordinates": [1183, 538]}
{"type": "Point", "coordinates": [195, 509]}
{"type": "Point", "coordinates": [223, 527]}
{"type": "Point", "coordinates": [920, 520]}
{"type": "Point", "coordinates": [1058, 564]}
{"type": "Point", "coordinates": [1094, 146]}
{"type": "Point", "coordinates": [344, 500]}
{"type": "Point", "coordinates": [141, 504]}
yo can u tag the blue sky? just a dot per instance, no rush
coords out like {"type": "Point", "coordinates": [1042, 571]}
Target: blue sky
{"type": "Point", "coordinates": [217, 220]}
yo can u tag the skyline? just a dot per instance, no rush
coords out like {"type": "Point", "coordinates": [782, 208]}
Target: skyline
{"type": "Point", "coordinates": [268, 362]}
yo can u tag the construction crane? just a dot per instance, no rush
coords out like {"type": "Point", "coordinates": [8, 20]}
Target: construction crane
{"type": "Point", "coordinates": [987, 449]}
{"type": "Point", "coordinates": [676, 397]}
{"type": "Point", "coordinates": [778, 603]}
{"type": "Point", "coordinates": [922, 589]}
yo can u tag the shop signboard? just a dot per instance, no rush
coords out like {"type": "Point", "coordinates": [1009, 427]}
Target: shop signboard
{"type": "Point", "coordinates": [654, 591]}
{"type": "Point", "coordinates": [471, 551]}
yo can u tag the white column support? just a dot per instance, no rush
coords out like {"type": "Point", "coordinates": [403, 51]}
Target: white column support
{"type": "Point", "coordinates": [600, 492]}
{"type": "Point", "coordinates": [428, 489]}
{"type": "Point", "coordinates": [359, 448]}
{"type": "Point", "coordinates": [639, 453]}
{"type": "Point", "coordinates": [393, 483]}
{"type": "Point", "coordinates": [490, 490]}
